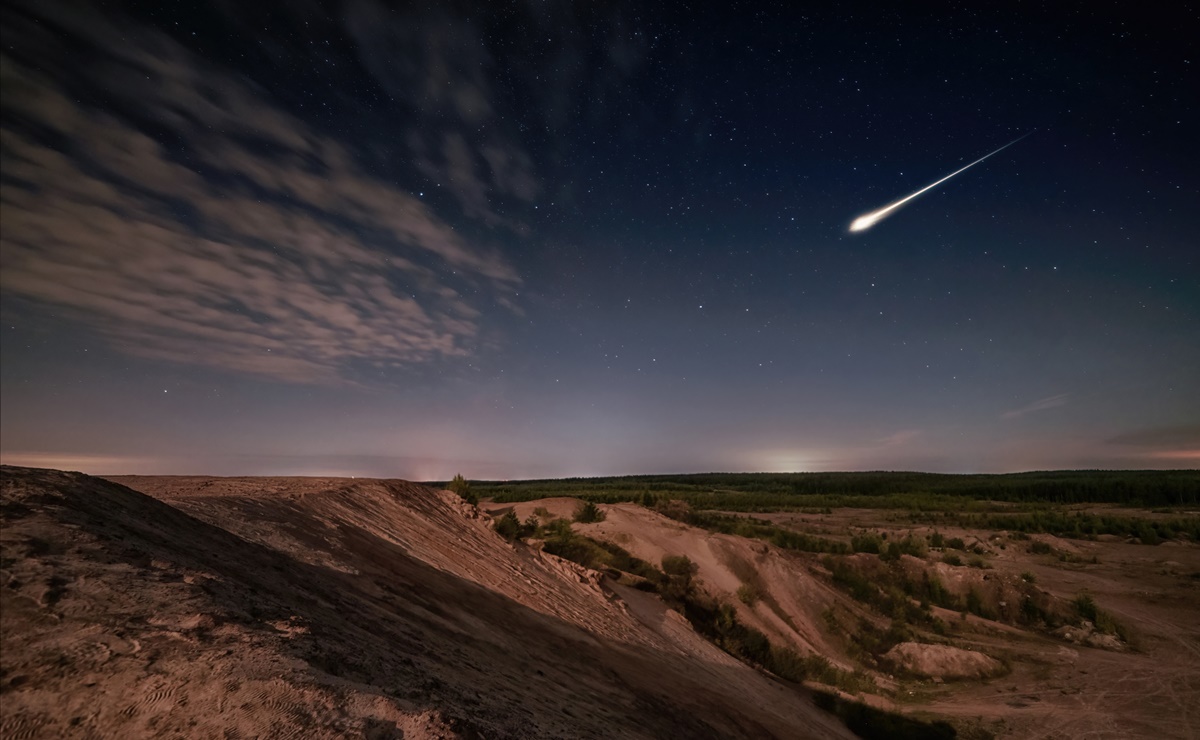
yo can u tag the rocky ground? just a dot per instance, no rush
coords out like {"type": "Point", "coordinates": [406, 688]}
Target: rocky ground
{"type": "Point", "coordinates": [311, 608]}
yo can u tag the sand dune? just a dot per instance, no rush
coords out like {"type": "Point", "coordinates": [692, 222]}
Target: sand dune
{"type": "Point", "coordinates": [203, 607]}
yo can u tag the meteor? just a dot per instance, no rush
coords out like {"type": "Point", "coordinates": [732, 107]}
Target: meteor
{"type": "Point", "coordinates": [867, 220]}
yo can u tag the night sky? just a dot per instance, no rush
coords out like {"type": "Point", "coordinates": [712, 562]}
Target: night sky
{"type": "Point", "coordinates": [546, 239]}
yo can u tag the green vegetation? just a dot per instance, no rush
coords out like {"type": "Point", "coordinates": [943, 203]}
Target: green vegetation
{"type": "Point", "coordinates": [876, 724]}
{"type": "Point", "coordinates": [890, 589]}
{"type": "Point", "coordinates": [1020, 503]}
{"type": "Point", "coordinates": [746, 526]}
{"type": "Point", "coordinates": [1080, 525]}
{"type": "Point", "coordinates": [511, 528]}
{"type": "Point", "coordinates": [588, 512]}
{"type": "Point", "coordinates": [562, 541]}
{"type": "Point", "coordinates": [918, 492]}
{"type": "Point", "coordinates": [749, 594]}
{"type": "Point", "coordinates": [719, 623]}
{"type": "Point", "coordinates": [462, 487]}
{"type": "Point", "coordinates": [1104, 622]}
{"type": "Point", "coordinates": [716, 621]}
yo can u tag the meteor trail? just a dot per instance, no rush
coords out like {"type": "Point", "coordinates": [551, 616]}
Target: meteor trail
{"type": "Point", "coordinates": [867, 220]}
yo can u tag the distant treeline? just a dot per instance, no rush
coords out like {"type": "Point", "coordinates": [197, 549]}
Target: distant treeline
{"type": "Point", "coordinates": [920, 491]}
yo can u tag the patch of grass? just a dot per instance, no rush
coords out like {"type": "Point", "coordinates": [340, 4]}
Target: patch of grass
{"type": "Point", "coordinates": [1086, 607]}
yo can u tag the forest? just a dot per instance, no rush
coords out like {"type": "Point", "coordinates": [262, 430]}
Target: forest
{"type": "Point", "coordinates": [887, 490]}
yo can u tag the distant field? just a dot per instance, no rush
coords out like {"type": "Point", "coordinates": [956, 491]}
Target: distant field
{"type": "Point", "coordinates": [1032, 605]}
{"type": "Point", "coordinates": [1046, 502]}
{"type": "Point", "coordinates": [914, 491]}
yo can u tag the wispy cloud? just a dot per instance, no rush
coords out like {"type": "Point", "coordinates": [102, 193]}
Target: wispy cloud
{"type": "Point", "coordinates": [250, 242]}
{"type": "Point", "coordinates": [1039, 405]}
{"type": "Point", "coordinates": [899, 438]}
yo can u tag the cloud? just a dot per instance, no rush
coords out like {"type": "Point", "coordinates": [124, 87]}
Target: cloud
{"type": "Point", "coordinates": [1039, 405]}
{"type": "Point", "coordinates": [438, 65]}
{"type": "Point", "coordinates": [246, 242]}
{"type": "Point", "coordinates": [899, 438]}
{"type": "Point", "coordinates": [477, 123]}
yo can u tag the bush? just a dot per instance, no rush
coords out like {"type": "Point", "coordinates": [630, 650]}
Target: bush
{"type": "Point", "coordinates": [1087, 609]}
{"type": "Point", "coordinates": [1028, 577]}
{"type": "Point", "coordinates": [460, 486]}
{"type": "Point", "coordinates": [956, 543]}
{"type": "Point", "coordinates": [508, 526]}
{"type": "Point", "coordinates": [871, 723]}
{"type": "Point", "coordinates": [952, 559]}
{"type": "Point", "coordinates": [588, 512]}
{"type": "Point", "coordinates": [749, 594]}
{"type": "Point", "coordinates": [869, 542]}
{"type": "Point", "coordinates": [674, 509]}
{"type": "Point", "coordinates": [1085, 606]}
{"type": "Point", "coordinates": [976, 606]}
{"type": "Point", "coordinates": [677, 584]}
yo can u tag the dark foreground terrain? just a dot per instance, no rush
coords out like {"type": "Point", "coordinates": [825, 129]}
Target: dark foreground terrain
{"type": "Point", "coordinates": [698, 607]}
{"type": "Point", "coordinates": [310, 608]}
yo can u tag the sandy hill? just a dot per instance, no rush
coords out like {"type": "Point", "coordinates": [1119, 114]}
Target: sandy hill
{"type": "Point", "coordinates": [311, 608]}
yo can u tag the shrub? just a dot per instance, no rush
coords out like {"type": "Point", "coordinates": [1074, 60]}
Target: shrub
{"type": "Point", "coordinates": [460, 486]}
{"type": "Point", "coordinates": [1028, 577]}
{"type": "Point", "coordinates": [1087, 609]}
{"type": "Point", "coordinates": [975, 605]}
{"type": "Point", "coordinates": [1085, 606]}
{"type": "Point", "coordinates": [749, 594]}
{"type": "Point", "coordinates": [869, 542]}
{"type": "Point", "coordinates": [674, 508]}
{"type": "Point", "coordinates": [588, 512]}
{"type": "Point", "coordinates": [677, 584]}
{"type": "Point", "coordinates": [952, 559]}
{"type": "Point", "coordinates": [509, 526]}
{"type": "Point", "coordinates": [977, 562]}
{"type": "Point", "coordinates": [956, 543]}
{"type": "Point", "coordinates": [937, 540]}
{"type": "Point", "coordinates": [1037, 547]}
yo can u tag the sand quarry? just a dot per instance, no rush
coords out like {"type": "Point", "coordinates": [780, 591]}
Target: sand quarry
{"type": "Point", "coordinates": [321, 608]}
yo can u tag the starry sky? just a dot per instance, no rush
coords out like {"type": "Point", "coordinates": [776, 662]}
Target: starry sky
{"type": "Point", "coordinates": [543, 239]}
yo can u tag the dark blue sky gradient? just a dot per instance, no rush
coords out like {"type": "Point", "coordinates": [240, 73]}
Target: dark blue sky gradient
{"type": "Point", "coordinates": [529, 240]}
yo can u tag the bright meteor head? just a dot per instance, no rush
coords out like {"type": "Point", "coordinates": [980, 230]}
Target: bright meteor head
{"type": "Point", "coordinates": [867, 220]}
{"type": "Point", "coordinates": [862, 223]}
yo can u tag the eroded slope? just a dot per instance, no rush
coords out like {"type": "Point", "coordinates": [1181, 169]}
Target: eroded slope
{"type": "Point", "coordinates": [333, 608]}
